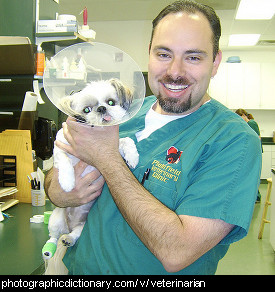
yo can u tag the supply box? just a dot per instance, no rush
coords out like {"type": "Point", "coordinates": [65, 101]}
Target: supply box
{"type": "Point", "coordinates": [46, 26]}
{"type": "Point", "coordinates": [17, 59]}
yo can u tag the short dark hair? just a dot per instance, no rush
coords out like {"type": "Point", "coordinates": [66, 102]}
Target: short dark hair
{"type": "Point", "coordinates": [191, 7]}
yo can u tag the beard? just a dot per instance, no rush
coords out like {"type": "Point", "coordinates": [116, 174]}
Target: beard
{"type": "Point", "coordinates": [174, 105]}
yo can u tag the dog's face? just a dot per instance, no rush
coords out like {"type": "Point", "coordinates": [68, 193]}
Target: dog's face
{"type": "Point", "coordinates": [99, 103]}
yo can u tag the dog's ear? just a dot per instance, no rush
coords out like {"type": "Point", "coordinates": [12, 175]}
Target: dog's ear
{"type": "Point", "coordinates": [65, 104]}
{"type": "Point", "coordinates": [124, 94]}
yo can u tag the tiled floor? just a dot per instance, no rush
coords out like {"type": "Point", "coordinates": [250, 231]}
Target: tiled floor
{"type": "Point", "coordinates": [251, 256]}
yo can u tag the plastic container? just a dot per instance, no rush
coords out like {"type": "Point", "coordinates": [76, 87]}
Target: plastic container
{"type": "Point", "coordinates": [40, 62]}
{"type": "Point", "coordinates": [78, 65]}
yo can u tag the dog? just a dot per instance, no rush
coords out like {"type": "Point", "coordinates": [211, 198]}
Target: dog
{"type": "Point", "coordinates": [99, 103]}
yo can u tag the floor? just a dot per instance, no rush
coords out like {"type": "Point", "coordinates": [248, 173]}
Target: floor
{"type": "Point", "coordinates": [251, 256]}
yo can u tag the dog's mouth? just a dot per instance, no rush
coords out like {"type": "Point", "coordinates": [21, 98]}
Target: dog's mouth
{"type": "Point", "coordinates": [106, 118]}
{"type": "Point", "coordinates": [80, 118]}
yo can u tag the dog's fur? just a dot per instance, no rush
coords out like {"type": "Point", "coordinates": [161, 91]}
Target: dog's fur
{"type": "Point", "coordinates": [99, 103]}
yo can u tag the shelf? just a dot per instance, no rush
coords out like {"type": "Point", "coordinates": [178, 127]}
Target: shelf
{"type": "Point", "coordinates": [7, 203]}
{"type": "Point", "coordinates": [7, 166]}
{"type": "Point", "coordinates": [7, 191]}
{"type": "Point", "coordinates": [62, 39]}
{"type": "Point", "coordinates": [7, 172]}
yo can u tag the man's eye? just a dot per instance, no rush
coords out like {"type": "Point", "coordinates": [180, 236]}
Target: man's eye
{"type": "Point", "coordinates": [87, 109]}
{"type": "Point", "coordinates": [163, 56]}
{"type": "Point", "coordinates": [194, 58]}
{"type": "Point", "coordinates": [111, 102]}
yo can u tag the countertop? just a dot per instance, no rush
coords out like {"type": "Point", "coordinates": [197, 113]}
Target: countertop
{"type": "Point", "coordinates": [267, 141]}
{"type": "Point", "coordinates": [21, 242]}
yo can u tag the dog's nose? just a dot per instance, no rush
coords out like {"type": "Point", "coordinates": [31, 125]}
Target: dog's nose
{"type": "Point", "coordinates": [101, 109]}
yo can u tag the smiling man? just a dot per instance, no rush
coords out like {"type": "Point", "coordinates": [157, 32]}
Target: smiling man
{"type": "Point", "coordinates": [181, 61]}
{"type": "Point", "coordinates": [190, 196]}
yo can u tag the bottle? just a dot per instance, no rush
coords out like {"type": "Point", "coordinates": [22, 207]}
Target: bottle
{"type": "Point", "coordinates": [65, 68]}
{"type": "Point", "coordinates": [40, 62]}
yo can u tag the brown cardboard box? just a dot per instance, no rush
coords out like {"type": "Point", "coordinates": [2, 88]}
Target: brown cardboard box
{"type": "Point", "coordinates": [17, 59]}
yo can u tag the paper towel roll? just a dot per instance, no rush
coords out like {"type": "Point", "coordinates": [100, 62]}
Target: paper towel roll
{"type": "Point", "coordinates": [30, 102]}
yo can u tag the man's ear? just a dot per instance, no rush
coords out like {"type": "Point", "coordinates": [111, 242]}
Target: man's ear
{"type": "Point", "coordinates": [216, 63]}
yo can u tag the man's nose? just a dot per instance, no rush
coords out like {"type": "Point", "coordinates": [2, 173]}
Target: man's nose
{"type": "Point", "coordinates": [176, 68]}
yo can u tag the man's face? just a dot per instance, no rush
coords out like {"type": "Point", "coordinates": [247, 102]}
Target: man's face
{"type": "Point", "coordinates": [181, 62]}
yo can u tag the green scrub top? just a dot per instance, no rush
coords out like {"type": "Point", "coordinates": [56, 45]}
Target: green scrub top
{"type": "Point", "coordinates": [254, 126]}
{"type": "Point", "coordinates": [206, 164]}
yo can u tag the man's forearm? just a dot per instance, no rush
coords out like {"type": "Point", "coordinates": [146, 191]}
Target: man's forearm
{"type": "Point", "coordinates": [47, 181]}
{"type": "Point", "coordinates": [86, 189]}
{"type": "Point", "coordinates": [53, 190]}
{"type": "Point", "coordinates": [158, 227]}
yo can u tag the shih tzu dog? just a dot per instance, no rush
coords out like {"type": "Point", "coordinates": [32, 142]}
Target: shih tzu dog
{"type": "Point", "coordinates": [99, 103]}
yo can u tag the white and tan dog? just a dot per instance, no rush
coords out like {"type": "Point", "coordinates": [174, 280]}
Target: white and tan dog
{"type": "Point", "coordinates": [99, 103]}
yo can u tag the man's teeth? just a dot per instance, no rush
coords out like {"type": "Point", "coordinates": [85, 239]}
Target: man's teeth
{"type": "Point", "coordinates": [174, 87]}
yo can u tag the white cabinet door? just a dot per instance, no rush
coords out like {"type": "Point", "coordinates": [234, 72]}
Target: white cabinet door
{"type": "Point", "coordinates": [272, 213]}
{"type": "Point", "coordinates": [218, 85]}
{"type": "Point", "coordinates": [252, 85]}
{"type": "Point", "coordinates": [267, 86]}
{"type": "Point", "coordinates": [245, 85]}
{"type": "Point", "coordinates": [266, 162]}
{"type": "Point", "coordinates": [235, 87]}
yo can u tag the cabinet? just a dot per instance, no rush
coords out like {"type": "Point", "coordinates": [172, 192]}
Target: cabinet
{"type": "Point", "coordinates": [268, 85]}
{"type": "Point", "coordinates": [272, 212]}
{"type": "Point", "coordinates": [245, 85]}
{"type": "Point", "coordinates": [268, 161]}
{"type": "Point", "coordinates": [18, 18]}
{"type": "Point", "coordinates": [16, 145]}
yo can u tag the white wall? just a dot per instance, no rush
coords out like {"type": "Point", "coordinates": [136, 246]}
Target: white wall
{"type": "Point", "coordinates": [265, 120]}
{"type": "Point", "coordinates": [133, 37]}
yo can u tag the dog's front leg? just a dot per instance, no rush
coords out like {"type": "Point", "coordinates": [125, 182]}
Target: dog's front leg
{"type": "Point", "coordinates": [66, 176]}
{"type": "Point", "coordinates": [128, 151]}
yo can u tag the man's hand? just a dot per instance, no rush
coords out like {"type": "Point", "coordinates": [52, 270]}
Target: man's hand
{"type": "Point", "coordinates": [86, 189]}
{"type": "Point", "coordinates": [94, 145]}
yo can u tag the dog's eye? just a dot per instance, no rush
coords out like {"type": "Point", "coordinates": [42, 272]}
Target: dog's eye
{"type": "Point", "coordinates": [111, 102]}
{"type": "Point", "coordinates": [87, 109]}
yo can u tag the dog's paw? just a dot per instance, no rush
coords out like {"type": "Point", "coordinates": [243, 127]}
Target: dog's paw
{"type": "Point", "coordinates": [128, 151]}
{"type": "Point", "coordinates": [67, 240]}
{"type": "Point", "coordinates": [132, 159]}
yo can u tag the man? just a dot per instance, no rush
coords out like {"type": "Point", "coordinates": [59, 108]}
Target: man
{"type": "Point", "coordinates": [249, 119]}
{"type": "Point", "coordinates": [197, 197]}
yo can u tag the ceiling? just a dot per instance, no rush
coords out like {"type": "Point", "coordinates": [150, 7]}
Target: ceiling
{"type": "Point", "coordinates": [127, 10]}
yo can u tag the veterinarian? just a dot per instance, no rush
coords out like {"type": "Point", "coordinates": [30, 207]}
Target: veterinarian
{"type": "Point", "coordinates": [195, 154]}
{"type": "Point", "coordinates": [249, 119]}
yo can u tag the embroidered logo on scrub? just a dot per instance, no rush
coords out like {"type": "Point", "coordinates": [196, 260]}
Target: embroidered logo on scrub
{"type": "Point", "coordinates": [167, 172]}
{"type": "Point", "coordinates": [173, 155]}
{"type": "Point", "coordinates": [164, 172]}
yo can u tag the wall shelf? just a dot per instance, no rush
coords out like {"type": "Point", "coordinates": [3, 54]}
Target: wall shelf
{"type": "Point", "coordinates": [62, 39]}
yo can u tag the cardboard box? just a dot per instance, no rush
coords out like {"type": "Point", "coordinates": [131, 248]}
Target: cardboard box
{"type": "Point", "coordinates": [17, 59]}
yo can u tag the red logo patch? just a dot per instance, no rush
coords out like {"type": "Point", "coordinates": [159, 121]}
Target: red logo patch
{"type": "Point", "coordinates": [173, 155]}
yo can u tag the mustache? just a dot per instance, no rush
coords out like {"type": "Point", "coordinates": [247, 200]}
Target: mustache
{"type": "Point", "coordinates": [178, 81]}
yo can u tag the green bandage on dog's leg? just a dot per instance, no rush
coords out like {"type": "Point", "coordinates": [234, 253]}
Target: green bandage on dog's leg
{"type": "Point", "coordinates": [49, 248]}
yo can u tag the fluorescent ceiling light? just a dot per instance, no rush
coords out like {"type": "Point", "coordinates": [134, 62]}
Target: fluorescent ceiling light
{"type": "Point", "coordinates": [256, 9]}
{"type": "Point", "coordinates": [243, 39]}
